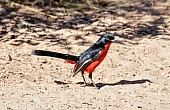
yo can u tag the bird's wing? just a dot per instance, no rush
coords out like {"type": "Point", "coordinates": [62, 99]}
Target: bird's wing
{"type": "Point", "coordinates": [86, 59]}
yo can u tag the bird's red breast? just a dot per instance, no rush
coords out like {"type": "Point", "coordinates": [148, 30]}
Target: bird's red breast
{"type": "Point", "coordinates": [89, 69]}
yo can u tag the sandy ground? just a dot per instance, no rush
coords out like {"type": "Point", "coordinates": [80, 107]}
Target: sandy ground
{"type": "Point", "coordinates": [134, 76]}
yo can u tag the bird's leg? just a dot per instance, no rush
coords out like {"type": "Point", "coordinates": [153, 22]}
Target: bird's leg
{"type": "Point", "coordinates": [90, 76]}
{"type": "Point", "coordinates": [82, 73]}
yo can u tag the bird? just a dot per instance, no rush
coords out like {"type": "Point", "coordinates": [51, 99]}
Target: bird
{"type": "Point", "coordinates": [89, 59]}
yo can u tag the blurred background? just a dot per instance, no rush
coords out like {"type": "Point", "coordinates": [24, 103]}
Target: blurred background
{"type": "Point", "coordinates": [129, 19]}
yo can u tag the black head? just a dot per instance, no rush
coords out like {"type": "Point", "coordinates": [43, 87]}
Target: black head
{"type": "Point", "coordinates": [107, 38]}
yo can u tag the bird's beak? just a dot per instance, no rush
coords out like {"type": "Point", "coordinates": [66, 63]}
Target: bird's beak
{"type": "Point", "coordinates": [115, 38]}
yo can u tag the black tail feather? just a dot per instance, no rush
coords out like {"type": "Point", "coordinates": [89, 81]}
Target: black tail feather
{"type": "Point", "coordinates": [55, 54]}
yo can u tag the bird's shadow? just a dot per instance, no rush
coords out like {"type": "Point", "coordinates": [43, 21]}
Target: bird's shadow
{"type": "Point", "coordinates": [121, 82]}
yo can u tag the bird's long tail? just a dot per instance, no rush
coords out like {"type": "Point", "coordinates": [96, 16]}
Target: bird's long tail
{"type": "Point", "coordinates": [69, 58]}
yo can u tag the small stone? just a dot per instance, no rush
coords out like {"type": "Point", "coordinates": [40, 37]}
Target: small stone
{"type": "Point", "coordinates": [139, 107]}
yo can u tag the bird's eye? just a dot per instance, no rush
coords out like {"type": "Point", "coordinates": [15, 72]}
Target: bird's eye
{"type": "Point", "coordinates": [107, 39]}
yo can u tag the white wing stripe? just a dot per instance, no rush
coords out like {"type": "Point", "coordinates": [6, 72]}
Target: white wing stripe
{"type": "Point", "coordinates": [82, 65]}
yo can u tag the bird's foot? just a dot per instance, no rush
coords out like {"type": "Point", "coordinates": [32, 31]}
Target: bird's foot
{"type": "Point", "coordinates": [95, 86]}
{"type": "Point", "coordinates": [84, 84]}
